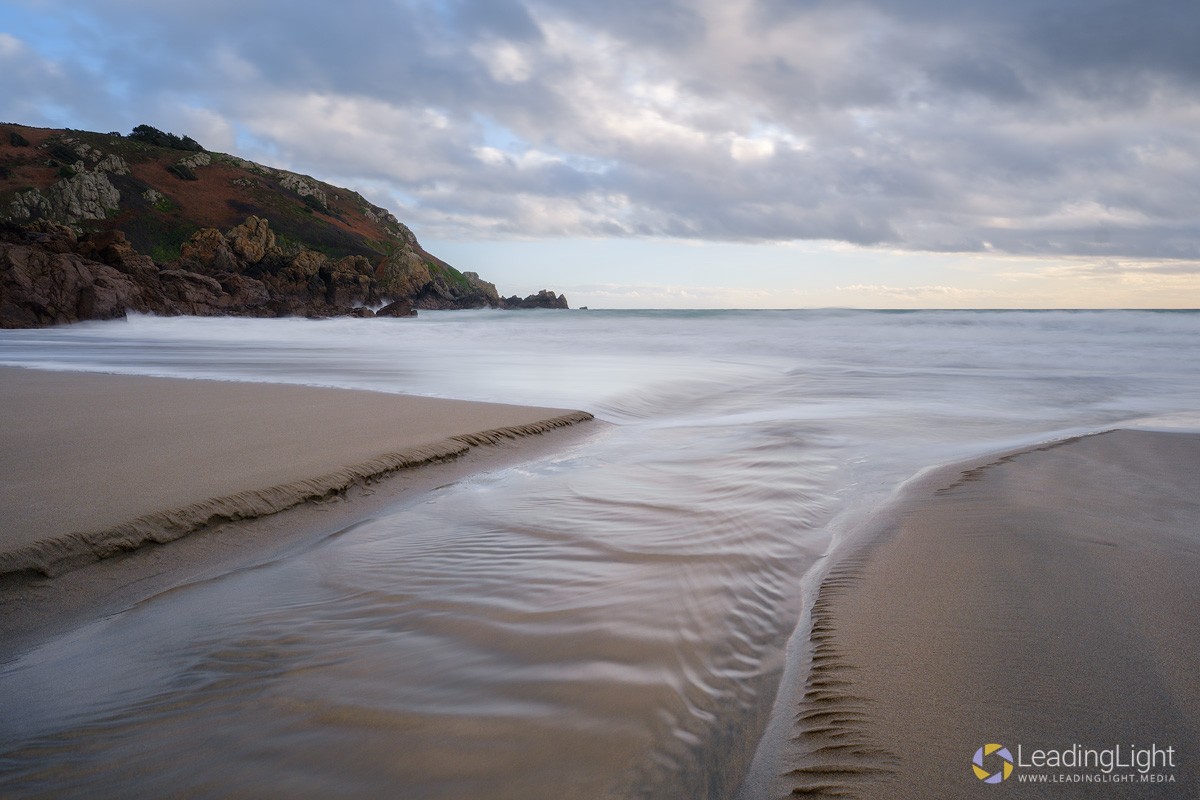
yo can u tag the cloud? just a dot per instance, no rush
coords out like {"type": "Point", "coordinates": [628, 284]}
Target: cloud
{"type": "Point", "coordinates": [648, 295]}
{"type": "Point", "coordinates": [46, 87]}
{"type": "Point", "coordinates": [1103, 269]}
{"type": "Point", "coordinates": [914, 293]}
{"type": "Point", "coordinates": [1063, 129]}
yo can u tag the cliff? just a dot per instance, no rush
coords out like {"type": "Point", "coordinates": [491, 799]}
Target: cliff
{"type": "Point", "coordinates": [93, 225]}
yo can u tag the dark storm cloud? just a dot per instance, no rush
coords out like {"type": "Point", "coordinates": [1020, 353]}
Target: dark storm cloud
{"type": "Point", "coordinates": [1019, 126]}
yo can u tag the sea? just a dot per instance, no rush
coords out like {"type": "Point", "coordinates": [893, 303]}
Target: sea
{"type": "Point", "coordinates": [622, 617]}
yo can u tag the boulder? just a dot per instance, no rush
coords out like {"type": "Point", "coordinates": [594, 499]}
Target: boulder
{"type": "Point", "coordinates": [113, 249]}
{"type": "Point", "coordinates": [349, 281]}
{"type": "Point", "coordinates": [39, 287]}
{"type": "Point", "coordinates": [190, 293]}
{"type": "Point", "coordinates": [306, 264]}
{"type": "Point", "coordinates": [253, 240]}
{"type": "Point", "coordinates": [243, 293]}
{"type": "Point", "coordinates": [208, 252]}
{"type": "Point", "coordinates": [403, 274]}
{"type": "Point", "coordinates": [400, 308]}
{"type": "Point", "coordinates": [52, 236]}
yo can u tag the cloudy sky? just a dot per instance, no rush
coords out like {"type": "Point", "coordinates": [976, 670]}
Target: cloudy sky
{"type": "Point", "coordinates": [698, 153]}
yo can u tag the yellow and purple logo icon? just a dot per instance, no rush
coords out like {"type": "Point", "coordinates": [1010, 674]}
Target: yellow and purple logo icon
{"type": "Point", "coordinates": [992, 763]}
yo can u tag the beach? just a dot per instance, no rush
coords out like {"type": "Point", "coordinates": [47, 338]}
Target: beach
{"type": "Point", "coordinates": [626, 607]}
{"type": "Point", "coordinates": [101, 464]}
{"type": "Point", "coordinates": [1042, 601]}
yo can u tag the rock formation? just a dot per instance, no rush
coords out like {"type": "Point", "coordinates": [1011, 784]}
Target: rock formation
{"type": "Point", "coordinates": [81, 195]}
{"type": "Point", "coordinates": [93, 225]}
{"type": "Point", "coordinates": [543, 299]}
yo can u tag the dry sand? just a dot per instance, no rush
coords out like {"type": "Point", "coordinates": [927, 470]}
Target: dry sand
{"type": "Point", "coordinates": [95, 465]}
{"type": "Point", "coordinates": [1043, 599]}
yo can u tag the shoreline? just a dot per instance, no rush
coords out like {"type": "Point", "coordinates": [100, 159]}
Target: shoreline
{"type": "Point", "coordinates": [97, 465]}
{"type": "Point", "coordinates": [35, 609]}
{"type": "Point", "coordinates": [1023, 598]}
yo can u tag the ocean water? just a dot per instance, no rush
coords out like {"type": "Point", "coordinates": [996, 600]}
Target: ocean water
{"type": "Point", "coordinates": [612, 620]}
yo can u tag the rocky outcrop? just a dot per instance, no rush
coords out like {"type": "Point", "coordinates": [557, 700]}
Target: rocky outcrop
{"type": "Point", "coordinates": [51, 275]}
{"type": "Point", "coordinates": [485, 288]}
{"type": "Point", "coordinates": [249, 166]}
{"type": "Point", "coordinates": [29, 205]}
{"type": "Point", "coordinates": [431, 283]}
{"type": "Point", "coordinates": [386, 220]}
{"type": "Point", "coordinates": [305, 187]}
{"type": "Point", "coordinates": [112, 248]}
{"type": "Point", "coordinates": [400, 308]}
{"type": "Point", "coordinates": [41, 287]}
{"type": "Point", "coordinates": [242, 293]}
{"type": "Point", "coordinates": [74, 216]}
{"type": "Point", "coordinates": [191, 293]}
{"type": "Point", "coordinates": [207, 253]}
{"type": "Point", "coordinates": [403, 274]}
{"type": "Point", "coordinates": [113, 165]}
{"type": "Point", "coordinates": [253, 240]}
{"type": "Point", "coordinates": [543, 299]}
{"type": "Point", "coordinates": [349, 281]}
{"type": "Point", "coordinates": [195, 161]}
{"type": "Point", "coordinates": [74, 150]}
{"type": "Point", "coordinates": [304, 267]}
{"type": "Point", "coordinates": [244, 246]}
{"type": "Point", "coordinates": [83, 195]}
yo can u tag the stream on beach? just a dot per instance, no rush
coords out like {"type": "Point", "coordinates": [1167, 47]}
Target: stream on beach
{"type": "Point", "coordinates": [610, 620]}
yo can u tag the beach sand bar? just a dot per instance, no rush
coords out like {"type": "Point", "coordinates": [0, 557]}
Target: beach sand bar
{"type": "Point", "coordinates": [1046, 600]}
{"type": "Point", "coordinates": [94, 465]}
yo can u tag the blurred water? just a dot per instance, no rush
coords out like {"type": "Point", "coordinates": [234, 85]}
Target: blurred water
{"type": "Point", "coordinates": [609, 621]}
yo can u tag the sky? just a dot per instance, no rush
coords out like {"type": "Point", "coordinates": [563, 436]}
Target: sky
{"type": "Point", "coordinates": [689, 153]}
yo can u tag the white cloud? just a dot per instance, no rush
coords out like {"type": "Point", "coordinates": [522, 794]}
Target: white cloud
{"type": "Point", "coordinates": [912, 292]}
{"type": "Point", "coordinates": [505, 61]}
{"type": "Point", "coordinates": [649, 295]}
{"type": "Point", "coordinates": [743, 148]}
{"type": "Point", "coordinates": [10, 46]}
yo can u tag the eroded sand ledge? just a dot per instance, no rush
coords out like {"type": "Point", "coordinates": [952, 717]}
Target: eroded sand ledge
{"type": "Point", "coordinates": [96, 465]}
{"type": "Point", "coordinates": [1045, 598]}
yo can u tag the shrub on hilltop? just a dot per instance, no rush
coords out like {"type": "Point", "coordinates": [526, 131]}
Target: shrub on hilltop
{"type": "Point", "coordinates": [152, 135]}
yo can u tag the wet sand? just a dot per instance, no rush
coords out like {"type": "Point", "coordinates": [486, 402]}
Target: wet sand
{"type": "Point", "coordinates": [97, 465]}
{"type": "Point", "coordinates": [1040, 600]}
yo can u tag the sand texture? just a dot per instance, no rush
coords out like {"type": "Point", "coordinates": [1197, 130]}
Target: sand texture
{"type": "Point", "coordinates": [95, 465]}
{"type": "Point", "coordinates": [1045, 598]}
